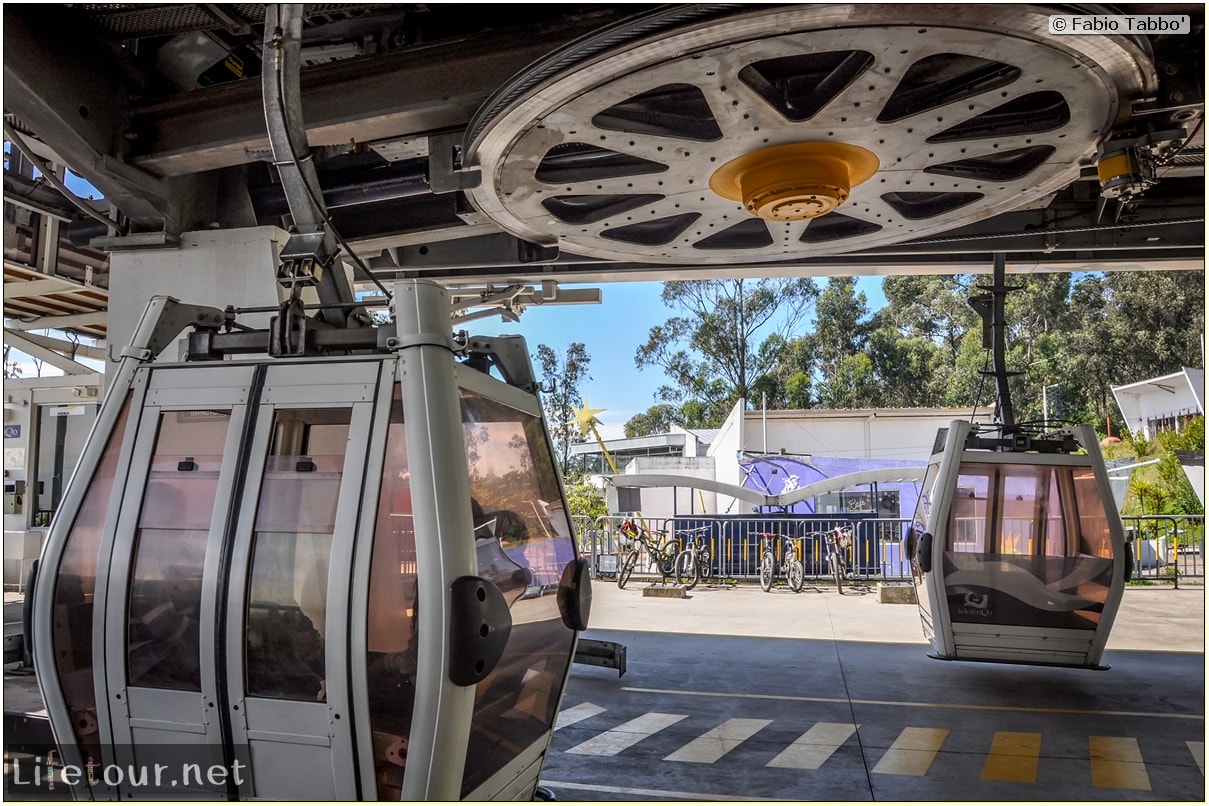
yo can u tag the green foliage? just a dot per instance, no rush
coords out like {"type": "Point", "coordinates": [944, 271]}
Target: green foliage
{"type": "Point", "coordinates": [584, 498]}
{"type": "Point", "coordinates": [658, 419]}
{"type": "Point", "coordinates": [1183, 499]}
{"type": "Point", "coordinates": [851, 384]}
{"type": "Point", "coordinates": [1161, 489]}
{"type": "Point", "coordinates": [562, 376]}
{"type": "Point", "coordinates": [731, 333]}
{"type": "Point", "coordinates": [1071, 338]}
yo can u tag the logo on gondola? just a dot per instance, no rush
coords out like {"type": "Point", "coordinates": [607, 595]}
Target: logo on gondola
{"type": "Point", "coordinates": [976, 604]}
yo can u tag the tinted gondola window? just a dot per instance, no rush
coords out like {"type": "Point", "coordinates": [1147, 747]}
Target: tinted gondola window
{"type": "Point", "coordinates": [919, 526]}
{"type": "Point", "coordinates": [295, 521]}
{"type": "Point", "coordinates": [1028, 545]}
{"type": "Point", "coordinates": [75, 585]}
{"type": "Point", "coordinates": [971, 507]}
{"type": "Point", "coordinates": [163, 637]}
{"type": "Point", "coordinates": [1094, 537]}
{"type": "Point", "coordinates": [524, 541]}
{"type": "Point", "coordinates": [391, 639]}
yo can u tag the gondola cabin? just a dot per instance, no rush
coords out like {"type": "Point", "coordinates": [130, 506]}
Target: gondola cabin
{"type": "Point", "coordinates": [324, 576]}
{"type": "Point", "coordinates": [1018, 555]}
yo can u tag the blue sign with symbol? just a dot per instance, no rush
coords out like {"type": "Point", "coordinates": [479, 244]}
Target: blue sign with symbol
{"type": "Point", "coordinates": [12, 432]}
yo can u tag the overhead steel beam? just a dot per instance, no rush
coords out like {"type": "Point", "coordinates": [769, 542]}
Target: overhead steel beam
{"type": "Point", "coordinates": [1164, 232]}
{"type": "Point", "coordinates": [70, 350]}
{"type": "Point", "coordinates": [417, 90]}
{"type": "Point", "coordinates": [39, 288]}
{"type": "Point", "coordinates": [500, 250]}
{"type": "Point", "coordinates": [23, 343]}
{"type": "Point", "coordinates": [841, 266]}
{"type": "Point", "coordinates": [66, 88]}
{"type": "Point", "coordinates": [68, 322]}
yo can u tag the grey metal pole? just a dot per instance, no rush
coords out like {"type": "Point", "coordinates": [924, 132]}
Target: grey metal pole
{"type": "Point", "coordinates": [281, 88]}
{"type": "Point", "coordinates": [440, 496]}
{"type": "Point", "coordinates": [1007, 414]}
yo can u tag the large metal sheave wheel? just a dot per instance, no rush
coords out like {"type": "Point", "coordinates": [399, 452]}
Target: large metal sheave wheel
{"type": "Point", "coordinates": [773, 134]}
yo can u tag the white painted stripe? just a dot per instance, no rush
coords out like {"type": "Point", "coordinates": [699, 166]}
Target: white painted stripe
{"type": "Point", "coordinates": [730, 695]}
{"type": "Point", "coordinates": [714, 744]}
{"type": "Point", "coordinates": [815, 746]}
{"type": "Point", "coordinates": [613, 741]}
{"type": "Point", "coordinates": [652, 793]}
{"type": "Point", "coordinates": [569, 716]}
{"type": "Point", "coordinates": [912, 752]}
{"type": "Point", "coordinates": [1198, 754]}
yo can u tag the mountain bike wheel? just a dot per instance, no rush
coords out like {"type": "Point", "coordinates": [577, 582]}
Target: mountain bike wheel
{"type": "Point", "coordinates": [797, 575]}
{"type": "Point", "coordinates": [766, 572]}
{"type": "Point", "coordinates": [838, 571]}
{"type": "Point", "coordinates": [686, 570]}
{"type": "Point", "coordinates": [667, 558]}
{"type": "Point", "coordinates": [705, 566]}
{"type": "Point", "coordinates": [627, 568]}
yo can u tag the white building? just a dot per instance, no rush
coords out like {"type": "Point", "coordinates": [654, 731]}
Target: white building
{"type": "Point", "coordinates": [777, 451]}
{"type": "Point", "coordinates": [46, 421]}
{"type": "Point", "coordinates": [1162, 404]}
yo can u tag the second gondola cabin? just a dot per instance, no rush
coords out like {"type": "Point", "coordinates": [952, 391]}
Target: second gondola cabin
{"type": "Point", "coordinates": [1019, 555]}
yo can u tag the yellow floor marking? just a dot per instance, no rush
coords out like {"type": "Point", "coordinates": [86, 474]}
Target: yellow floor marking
{"type": "Point", "coordinates": [815, 746]}
{"type": "Point", "coordinates": [1198, 753]}
{"type": "Point", "coordinates": [1116, 763]}
{"type": "Point", "coordinates": [912, 752]}
{"type": "Point", "coordinates": [714, 744]}
{"type": "Point", "coordinates": [1013, 757]}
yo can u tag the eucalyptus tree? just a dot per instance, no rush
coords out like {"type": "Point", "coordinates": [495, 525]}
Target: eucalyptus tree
{"type": "Point", "coordinates": [562, 376]}
{"type": "Point", "coordinates": [727, 335]}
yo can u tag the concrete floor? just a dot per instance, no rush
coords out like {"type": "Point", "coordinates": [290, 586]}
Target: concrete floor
{"type": "Point", "coordinates": [737, 694]}
{"type": "Point", "coordinates": [734, 694]}
{"type": "Point", "coordinates": [1150, 618]}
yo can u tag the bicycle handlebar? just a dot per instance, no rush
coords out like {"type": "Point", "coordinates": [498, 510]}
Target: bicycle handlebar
{"type": "Point", "coordinates": [782, 536]}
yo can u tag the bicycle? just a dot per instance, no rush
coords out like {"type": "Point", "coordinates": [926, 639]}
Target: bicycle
{"type": "Point", "coordinates": [790, 566]}
{"type": "Point", "coordinates": [695, 563]}
{"type": "Point", "coordinates": [634, 538]}
{"type": "Point", "coordinates": [839, 545]}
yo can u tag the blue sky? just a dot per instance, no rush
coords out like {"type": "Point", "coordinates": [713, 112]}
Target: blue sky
{"type": "Point", "coordinates": [612, 332]}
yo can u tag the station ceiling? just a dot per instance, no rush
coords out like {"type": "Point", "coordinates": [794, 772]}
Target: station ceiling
{"type": "Point", "coordinates": [473, 143]}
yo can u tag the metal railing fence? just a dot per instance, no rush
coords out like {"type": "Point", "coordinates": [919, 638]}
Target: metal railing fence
{"type": "Point", "coordinates": [736, 544]}
{"type": "Point", "coordinates": [1166, 548]}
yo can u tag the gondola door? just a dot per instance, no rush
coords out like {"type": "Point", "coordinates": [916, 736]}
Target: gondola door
{"type": "Point", "coordinates": [286, 629]}
{"type": "Point", "coordinates": [927, 528]}
{"type": "Point", "coordinates": [162, 689]}
{"type": "Point", "coordinates": [919, 543]}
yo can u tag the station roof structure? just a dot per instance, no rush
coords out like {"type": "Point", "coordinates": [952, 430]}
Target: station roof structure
{"type": "Point", "coordinates": [521, 148]}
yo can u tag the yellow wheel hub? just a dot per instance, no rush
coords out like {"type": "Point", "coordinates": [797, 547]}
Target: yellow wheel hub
{"type": "Point", "coordinates": [796, 181]}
